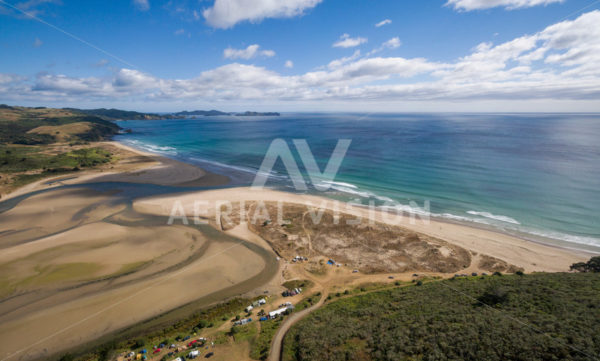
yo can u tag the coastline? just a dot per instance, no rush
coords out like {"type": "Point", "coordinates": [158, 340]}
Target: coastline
{"type": "Point", "coordinates": [159, 169]}
{"type": "Point", "coordinates": [109, 221]}
{"type": "Point", "coordinates": [531, 256]}
{"type": "Point", "coordinates": [480, 230]}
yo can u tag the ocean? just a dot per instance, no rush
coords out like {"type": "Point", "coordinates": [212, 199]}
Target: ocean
{"type": "Point", "coordinates": [536, 176]}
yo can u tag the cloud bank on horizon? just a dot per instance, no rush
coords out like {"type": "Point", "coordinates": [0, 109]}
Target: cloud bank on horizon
{"type": "Point", "coordinates": [559, 62]}
{"type": "Point", "coordinates": [468, 5]}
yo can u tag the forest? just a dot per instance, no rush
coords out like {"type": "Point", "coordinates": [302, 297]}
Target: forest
{"type": "Point", "coordinates": [500, 317]}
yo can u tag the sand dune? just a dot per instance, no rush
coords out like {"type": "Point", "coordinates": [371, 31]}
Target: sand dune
{"type": "Point", "coordinates": [528, 255]}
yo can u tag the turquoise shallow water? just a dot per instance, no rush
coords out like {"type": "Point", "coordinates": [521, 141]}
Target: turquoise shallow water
{"type": "Point", "coordinates": [534, 174]}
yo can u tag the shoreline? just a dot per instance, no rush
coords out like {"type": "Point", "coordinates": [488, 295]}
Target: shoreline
{"type": "Point", "coordinates": [529, 255]}
{"type": "Point", "coordinates": [159, 169]}
{"type": "Point", "coordinates": [122, 225]}
{"type": "Point", "coordinates": [528, 237]}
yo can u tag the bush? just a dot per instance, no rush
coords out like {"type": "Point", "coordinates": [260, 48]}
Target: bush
{"type": "Point", "coordinates": [437, 322]}
{"type": "Point", "coordinates": [140, 342]}
{"type": "Point", "coordinates": [494, 296]}
{"type": "Point", "coordinates": [593, 265]}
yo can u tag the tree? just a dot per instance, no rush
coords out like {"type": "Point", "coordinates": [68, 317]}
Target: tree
{"type": "Point", "coordinates": [593, 265]}
{"type": "Point", "coordinates": [494, 296]}
{"type": "Point", "coordinates": [202, 324]}
{"type": "Point", "coordinates": [140, 342]}
{"type": "Point", "coordinates": [67, 357]}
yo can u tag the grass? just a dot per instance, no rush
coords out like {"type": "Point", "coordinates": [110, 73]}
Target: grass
{"type": "Point", "coordinates": [308, 302]}
{"type": "Point", "coordinates": [246, 332]}
{"type": "Point", "coordinates": [22, 165]}
{"type": "Point", "coordinates": [304, 284]}
{"type": "Point", "coordinates": [261, 348]}
{"type": "Point", "coordinates": [15, 159]}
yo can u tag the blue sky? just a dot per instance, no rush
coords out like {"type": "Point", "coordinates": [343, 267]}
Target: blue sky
{"type": "Point", "coordinates": [232, 54]}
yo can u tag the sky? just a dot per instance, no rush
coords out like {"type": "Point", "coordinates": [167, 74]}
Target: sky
{"type": "Point", "coordinates": [302, 55]}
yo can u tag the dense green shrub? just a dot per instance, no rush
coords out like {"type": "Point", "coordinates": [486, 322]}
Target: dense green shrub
{"type": "Point", "coordinates": [538, 317]}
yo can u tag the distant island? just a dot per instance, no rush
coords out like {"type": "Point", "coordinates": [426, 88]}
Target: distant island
{"type": "Point", "coordinates": [193, 113]}
{"type": "Point", "coordinates": [117, 114]}
{"type": "Point", "coordinates": [217, 113]}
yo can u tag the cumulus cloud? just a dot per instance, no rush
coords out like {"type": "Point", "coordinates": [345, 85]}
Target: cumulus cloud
{"type": "Point", "coordinates": [558, 63]}
{"type": "Point", "coordinates": [179, 32]}
{"type": "Point", "coordinates": [383, 22]}
{"type": "Point", "coordinates": [468, 5]}
{"type": "Point", "coordinates": [289, 64]}
{"type": "Point", "coordinates": [226, 13]}
{"type": "Point", "coordinates": [346, 41]}
{"type": "Point", "coordinates": [250, 52]}
{"type": "Point", "coordinates": [142, 5]}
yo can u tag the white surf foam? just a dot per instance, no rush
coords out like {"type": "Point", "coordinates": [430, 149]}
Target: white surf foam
{"type": "Point", "coordinates": [494, 216]}
{"type": "Point", "coordinates": [152, 148]}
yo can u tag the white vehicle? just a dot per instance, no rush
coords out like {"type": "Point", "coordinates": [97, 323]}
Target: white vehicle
{"type": "Point", "coordinates": [194, 354]}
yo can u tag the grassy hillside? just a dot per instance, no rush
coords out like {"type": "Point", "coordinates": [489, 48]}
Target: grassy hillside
{"type": "Point", "coordinates": [117, 114]}
{"type": "Point", "coordinates": [30, 126]}
{"type": "Point", "coordinates": [39, 142]}
{"type": "Point", "coordinates": [530, 317]}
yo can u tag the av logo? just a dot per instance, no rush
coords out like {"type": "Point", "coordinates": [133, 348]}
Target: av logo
{"type": "Point", "coordinates": [320, 180]}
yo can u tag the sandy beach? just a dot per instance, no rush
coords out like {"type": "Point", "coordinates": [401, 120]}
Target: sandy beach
{"type": "Point", "coordinates": [78, 263]}
{"type": "Point", "coordinates": [531, 256]}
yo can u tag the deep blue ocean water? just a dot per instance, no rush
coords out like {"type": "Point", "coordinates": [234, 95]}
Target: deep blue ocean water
{"type": "Point", "coordinates": [531, 174]}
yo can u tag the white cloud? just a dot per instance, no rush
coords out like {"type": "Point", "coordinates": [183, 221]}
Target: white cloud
{"type": "Point", "coordinates": [289, 64]}
{"type": "Point", "coordinates": [226, 13]}
{"type": "Point", "coordinates": [142, 5]}
{"type": "Point", "coordinates": [468, 5]}
{"type": "Point", "coordinates": [250, 52]}
{"type": "Point", "coordinates": [346, 41]}
{"type": "Point", "coordinates": [393, 43]}
{"type": "Point", "coordinates": [339, 62]}
{"type": "Point", "coordinates": [558, 63]}
{"type": "Point", "coordinates": [383, 22]}
{"type": "Point", "coordinates": [179, 32]}
{"type": "Point", "coordinates": [37, 43]}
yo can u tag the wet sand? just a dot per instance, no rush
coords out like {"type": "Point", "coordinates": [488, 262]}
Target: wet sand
{"type": "Point", "coordinates": [90, 254]}
{"type": "Point", "coordinates": [78, 263]}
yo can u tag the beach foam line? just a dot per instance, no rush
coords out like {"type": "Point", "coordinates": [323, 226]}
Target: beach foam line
{"type": "Point", "coordinates": [249, 170]}
{"type": "Point", "coordinates": [495, 217]}
{"type": "Point", "coordinates": [152, 148]}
